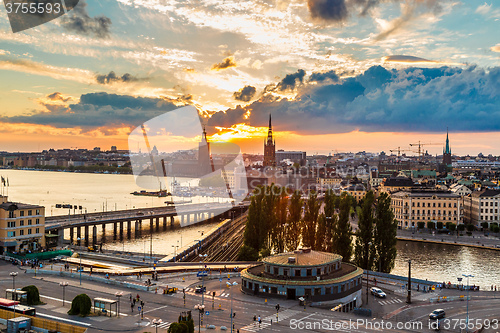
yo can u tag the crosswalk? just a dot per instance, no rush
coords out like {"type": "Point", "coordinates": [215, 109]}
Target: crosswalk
{"type": "Point", "coordinates": [390, 301]}
{"type": "Point", "coordinates": [164, 325]}
{"type": "Point", "coordinates": [208, 293]}
{"type": "Point", "coordinates": [266, 322]}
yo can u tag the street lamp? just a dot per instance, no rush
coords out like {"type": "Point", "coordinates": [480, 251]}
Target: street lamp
{"type": "Point", "coordinates": [229, 284]}
{"type": "Point", "coordinates": [408, 299]}
{"type": "Point", "coordinates": [118, 294]}
{"type": "Point", "coordinates": [368, 272]}
{"type": "Point", "coordinates": [201, 309]}
{"type": "Point", "coordinates": [156, 322]}
{"type": "Point", "coordinates": [13, 274]}
{"type": "Point", "coordinates": [63, 284]}
{"type": "Point", "coordinates": [468, 287]}
{"type": "Point", "coordinates": [203, 256]}
{"type": "Point", "coordinates": [175, 251]}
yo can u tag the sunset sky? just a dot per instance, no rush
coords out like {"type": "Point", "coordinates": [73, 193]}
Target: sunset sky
{"type": "Point", "coordinates": [336, 75]}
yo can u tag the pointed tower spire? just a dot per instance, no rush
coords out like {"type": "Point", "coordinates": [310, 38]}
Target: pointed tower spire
{"type": "Point", "coordinates": [448, 150]}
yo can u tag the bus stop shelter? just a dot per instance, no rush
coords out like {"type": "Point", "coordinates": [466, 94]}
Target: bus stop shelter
{"type": "Point", "coordinates": [106, 305]}
{"type": "Point", "coordinates": [17, 295]}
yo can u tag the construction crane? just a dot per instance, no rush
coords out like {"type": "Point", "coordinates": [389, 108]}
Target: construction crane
{"type": "Point", "coordinates": [420, 145]}
{"type": "Point", "coordinates": [399, 150]}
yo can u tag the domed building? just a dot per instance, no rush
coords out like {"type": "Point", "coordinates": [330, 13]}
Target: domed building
{"type": "Point", "coordinates": [319, 277]}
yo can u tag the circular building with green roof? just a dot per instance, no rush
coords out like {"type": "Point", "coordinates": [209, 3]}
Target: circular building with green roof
{"type": "Point", "coordinates": [317, 277]}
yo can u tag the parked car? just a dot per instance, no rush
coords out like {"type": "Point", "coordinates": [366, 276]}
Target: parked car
{"type": "Point", "coordinates": [200, 289]}
{"type": "Point", "coordinates": [378, 292]}
{"type": "Point", "coordinates": [437, 314]}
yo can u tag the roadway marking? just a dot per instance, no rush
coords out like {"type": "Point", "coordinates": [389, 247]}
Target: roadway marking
{"type": "Point", "coordinates": [62, 319]}
{"type": "Point", "coordinates": [161, 307]}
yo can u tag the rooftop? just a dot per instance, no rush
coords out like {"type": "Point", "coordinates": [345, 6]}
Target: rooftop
{"type": "Point", "coordinates": [305, 257]}
{"type": "Point", "coordinates": [423, 193]}
{"type": "Point", "coordinates": [18, 205]}
{"type": "Point", "coordinates": [486, 193]}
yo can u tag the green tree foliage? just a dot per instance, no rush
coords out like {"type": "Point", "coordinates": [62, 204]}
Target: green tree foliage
{"type": "Point", "coordinates": [80, 305]}
{"type": "Point", "coordinates": [385, 234]}
{"type": "Point", "coordinates": [330, 219]}
{"type": "Point", "coordinates": [279, 228]}
{"type": "Point", "coordinates": [421, 225]}
{"type": "Point", "coordinates": [321, 236]}
{"type": "Point", "coordinates": [248, 253]}
{"type": "Point", "coordinates": [310, 222]}
{"type": "Point", "coordinates": [470, 227]}
{"type": "Point", "coordinates": [484, 225]}
{"type": "Point", "coordinates": [461, 227]}
{"type": "Point", "coordinates": [431, 225]}
{"type": "Point", "coordinates": [364, 251]}
{"type": "Point", "coordinates": [188, 321]}
{"type": "Point", "coordinates": [451, 226]}
{"type": "Point", "coordinates": [439, 225]}
{"type": "Point", "coordinates": [342, 233]}
{"type": "Point", "coordinates": [251, 235]}
{"type": "Point", "coordinates": [178, 328]}
{"type": "Point", "coordinates": [293, 232]}
{"type": "Point", "coordinates": [33, 296]}
{"type": "Point", "coordinates": [495, 229]}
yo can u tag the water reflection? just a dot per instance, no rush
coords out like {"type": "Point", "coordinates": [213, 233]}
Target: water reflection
{"type": "Point", "coordinates": [443, 263]}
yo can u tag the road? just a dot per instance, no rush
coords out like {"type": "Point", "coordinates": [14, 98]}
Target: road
{"type": "Point", "coordinates": [291, 317]}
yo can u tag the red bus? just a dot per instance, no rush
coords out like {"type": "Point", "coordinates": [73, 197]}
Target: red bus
{"type": "Point", "coordinates": [10, 305]}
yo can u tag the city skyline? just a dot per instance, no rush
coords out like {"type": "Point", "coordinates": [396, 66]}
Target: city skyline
{"type": "Point", "coordinates": [335, 75]}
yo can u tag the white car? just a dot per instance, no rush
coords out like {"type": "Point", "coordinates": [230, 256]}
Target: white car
{"type": "Point", "coordinates": [378, 292]}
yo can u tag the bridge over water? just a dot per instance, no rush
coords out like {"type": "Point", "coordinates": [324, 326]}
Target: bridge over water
{"type": "Point", "coordinates": [187, 214]}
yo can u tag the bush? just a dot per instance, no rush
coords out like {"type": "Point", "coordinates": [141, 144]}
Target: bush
{"type": "Point", "coordinates": [461, 227]}
{"type": "Point", "coordinates": [451, 226]}
{"type": "Point", "coordinates": [188, 321]}
{"type": "Point", "coordinates": [421, 225]}
{"type": "Point", "coordinates": [439, 225]}
{"type": "Point", "coordinates": [431, 225]}
{"type": "Point", "coordinates": [470, 227]}
{"type": "Point", "coordinates": [178, 328]}
{"type": "Point", "coordinates": [80, 305]}
{"type": "Point", "coordinates": [33, 296]}
{"type": "Point", "coordinates": [495, 229]}
{"type": "Point", "coordinates": [484, 225]}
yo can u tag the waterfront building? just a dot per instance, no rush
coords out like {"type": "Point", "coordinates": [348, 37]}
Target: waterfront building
{"type": "Point", "coordinates": [395, 184]}
{"type": "Point", "coordinates": [318, 277]}
{"type": "Point", "coordinates": [269, 148]}
{"type": "Point", "coordinates": [482, 206]}
{"type": "Point", "coordinates": [358, 191]}
{"type": "Point", "coordinates": [414, 206]}
{"type": "Point", "coordinates": [22, 226]}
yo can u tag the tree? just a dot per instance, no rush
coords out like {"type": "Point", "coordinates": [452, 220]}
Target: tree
{"type": "Point", "coordinates": [385, 234]}
{"type": "Point", "coordinates": [80, 305]}
{"type": "Point", "coordinates": [292, 236]}
{"type": "Point", "coordinates": [32, 295]}
{"type": "Point", "coordinates": [461, 227]}
{"type": "Point", "coordinates": [310, 221]}
{"type": "Point", "coordinates": [330, 219]}
{"type": "Point", "coordinates": [495, 229]}
{"type": "Point", "coordinates": [470, 227]}
{"type": "Point", "coordinates": [484, 225]}
{"type": "Point", "coordinates": [248, 253]}
{"type": "Point", "coordinates": [342, 237]}
{"type": "Point", "coordinates": [251, 234]}
{"type": "Point", "coordinates": [321, 240]}
{"type": "Point", "coordinates": [421, 225]}
{"type": "Point", "coordinates": [451, 226]}
{"type": "Point", "coordinates": [439, 225]}
{"type": "Point", "coordinates": [280, 223]}
{"type": "Point", "coordinates": [431, 225]}
{"type": "Point", "coordinates": [364, 250]}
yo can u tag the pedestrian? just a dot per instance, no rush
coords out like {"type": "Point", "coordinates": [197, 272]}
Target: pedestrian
{"type": "Point", "coordinates": [418, 287]}
{"type": "Point", "coordinates": [132, 307]}
{"type": "Point", "coordinates": [495, 288]}
{"type": "Point", "coordinates": [375, 281]}
{"type": "Point", "coordinates": [491, 287]}
{"type": "Point", "coordinates": [254, 320]}
{"type": "Point", "coordinates": [260, 320]}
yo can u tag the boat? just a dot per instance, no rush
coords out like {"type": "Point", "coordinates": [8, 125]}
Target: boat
{"type": "Point", "coordinates": [160, 194]}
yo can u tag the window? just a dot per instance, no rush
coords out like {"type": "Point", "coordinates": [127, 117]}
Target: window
{"type": "Point", "coordinates": [11, 224]}
{"type": "Point", "coordinates": [433, 204]}
{"type": "Point", "coordinates": [439, 204]}
{"type": "Point", "coordinates": [318, 271]}
{"type": "Point", "coordinates": [297, 272]}
{"type": "Point", "coordinates": [29, 212]}
{"type": "Point", "coordinates": [37, 230]}
{"type": "Point", "coordinates": [29, 231]}
{"type": "Point", "coordinates": [29, 222]}
{"type": "Point", "coordinates": [317, 291]}
{"type": "Point", "coordinates": [11, 234]}
{"type": "Point", "coordinates": [37, 212]}
{"type": "Point", "coordinates": [309, 272]}
{"type": "Point", "coordinates": [21, 213]}
{"type": "Point", "coordinates": [21, 223]}
{"type": "Point", "coordinates": [11, 215]}
{"type": "Point", "coordinates": [37, 221]}
{"type": "Point", "coordinates": [285, 272]}
{"type": "Point", "coordinates": [21, 232]}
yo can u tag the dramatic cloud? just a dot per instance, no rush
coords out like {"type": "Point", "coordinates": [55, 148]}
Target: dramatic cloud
{"type": "Point", "coordinates": [226, 63]}
{"type": "Point", "coordinates": [111, 78]}
{"type": "Point", "coordinates": [290, 80]}
{"type": "Point", "coordinates": [79, 21]}
{"type": "Point", "coordinates": [328, 10]}
{"type": "Point", "coordinates": [97, 110]}
{"type": "Point", "coordinates": [320, 77]}
{"type": "Point", "coordinates": [245, 94]}
{"type": "Point", "coordinates": [57, 96]}
{"type": "Point", "coordinates": [413, 99]}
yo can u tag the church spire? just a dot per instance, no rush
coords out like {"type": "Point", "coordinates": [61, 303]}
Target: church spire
{"type": "Point", "coordinates": [270, 131]}
{"type": "Point", "coordinates": [448, 150]}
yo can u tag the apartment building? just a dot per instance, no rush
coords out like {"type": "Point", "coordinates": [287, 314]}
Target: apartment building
{"type": "Point", "coordinates": [414, 206]}
{"type": "Point", "coordinates": [22, 226]}
{"type": "Point", "coordinates": [482, 206]}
